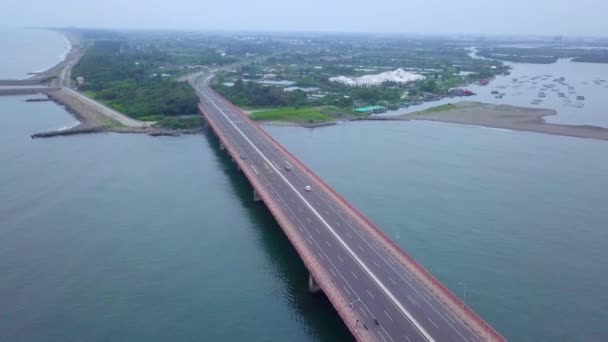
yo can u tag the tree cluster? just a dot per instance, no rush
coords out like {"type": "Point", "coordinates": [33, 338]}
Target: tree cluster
{"type": "Point", "coordinates": [129, 80]}
{"type": "Point", "coordinates": [258, 95]}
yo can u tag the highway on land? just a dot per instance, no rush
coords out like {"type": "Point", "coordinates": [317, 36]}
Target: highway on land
{"type": "Point", "coordinates": [388, 301]}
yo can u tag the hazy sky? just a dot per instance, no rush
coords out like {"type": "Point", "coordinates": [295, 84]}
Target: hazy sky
{"type": "Point", "coordinates": [568, 17]}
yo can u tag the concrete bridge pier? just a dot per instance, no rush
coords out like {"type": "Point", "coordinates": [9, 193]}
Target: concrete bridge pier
{"type": "Point", "coordinates": [313, 287]}
{"type": "Point", "coordinates": [256, 196]}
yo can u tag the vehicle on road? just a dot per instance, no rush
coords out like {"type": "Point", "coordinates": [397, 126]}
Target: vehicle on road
{"type": "Point", "coordinates": [243, 156]}
{"type": "Point", "coordinates": [288, 166]}
{"type": "Point", "coordinates": [307, 188]}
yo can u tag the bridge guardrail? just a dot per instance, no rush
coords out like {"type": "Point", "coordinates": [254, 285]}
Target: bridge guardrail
{"type": "Point", "coordinates": [481, 325]}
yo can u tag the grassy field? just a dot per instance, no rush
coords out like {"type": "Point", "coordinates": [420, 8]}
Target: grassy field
{"type": "Point", "coordinates": [111, 123]}
{"type": "Point", "coordinates": [306, 114]}
{"type": "Point", "coordinates": [161, 121]}
{"type": "Point", "coordinates": [441, 108]}
{"type": "Point", "coordinates": [89, 93]}
{"type": "Point", "coordinates": [338, 112]}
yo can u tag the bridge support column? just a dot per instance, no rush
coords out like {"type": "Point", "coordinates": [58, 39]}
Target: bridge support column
{"type": "Point", "coordinates": [313, 287]}
{"type": "Point", "coordinates": [256, 196]}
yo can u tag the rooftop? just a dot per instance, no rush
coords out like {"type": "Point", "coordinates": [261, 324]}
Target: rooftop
{"type": "Point", "coordinates": [370, 109]}
{"type": "Point", "coordinates": [397, 76]}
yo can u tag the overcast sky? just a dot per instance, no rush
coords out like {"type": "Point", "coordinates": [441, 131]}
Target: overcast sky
{"type": "Point", "coordinates": [541, 17]}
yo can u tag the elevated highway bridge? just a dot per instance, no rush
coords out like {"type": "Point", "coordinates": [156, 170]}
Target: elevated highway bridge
{"type": "Point", "coordinates": [379, 291]}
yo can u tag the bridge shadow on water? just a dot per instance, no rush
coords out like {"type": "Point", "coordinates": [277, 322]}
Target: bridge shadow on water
{"type": "Point", "coordinates": [321, 320]}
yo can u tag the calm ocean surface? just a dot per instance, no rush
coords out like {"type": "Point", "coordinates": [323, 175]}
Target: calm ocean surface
{"type": "Point", "coordinates": [24, 51]}
{"type": "Point", "coordinates": [129, 237]}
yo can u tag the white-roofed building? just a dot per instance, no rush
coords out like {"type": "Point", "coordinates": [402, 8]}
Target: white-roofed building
{"type": "Point", "coordinates": [399, 76]}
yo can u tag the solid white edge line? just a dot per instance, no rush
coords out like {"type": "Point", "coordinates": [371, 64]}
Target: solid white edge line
{"type": "Point", "coordinates": [331, 230]}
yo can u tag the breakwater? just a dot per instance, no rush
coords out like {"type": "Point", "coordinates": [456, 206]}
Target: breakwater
{"type": "Point", "coordinates": [86, 129]}
{"type": "Point", "coordinates": [21, 82]}
{"type": "Point", "coordinates": [23, 91]}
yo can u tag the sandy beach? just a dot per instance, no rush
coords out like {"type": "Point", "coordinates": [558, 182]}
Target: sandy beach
{"type": "Point", "coordinates": [506, 117]}
{"type": "Point", "coordinates": [70, 59]}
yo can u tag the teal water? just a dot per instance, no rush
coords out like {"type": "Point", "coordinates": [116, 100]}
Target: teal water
{"type": "Point", "coordinates": [561, 82]}
{"type": "Point", "coordinates": [129, 237]}
{"type": "Point", "coordinates": [518, 218]}
{"type": "Point", "coordinates": [29, 50]}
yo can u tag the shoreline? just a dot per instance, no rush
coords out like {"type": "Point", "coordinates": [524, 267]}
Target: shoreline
{"type": "Point", "coordinates": [296, 124]}
{"type": "Point", "coordinates": [51, 76]}
{"type": "Point", "coordinates": [62, 57]}
{"type": "Point", "coordinates": [98, 118]}
{"type": "Point", "coordinates": [42, 73]}
{"type": "Point", "coordinates": [93, 121]}
{"type": "Point", "coordinates": [69, 57]}
{"type": "Point", "coordinates": [507, 117]}
{"type": "Point", "coordinates": [480, 114]}
{"type": "Point", "coordinates": [93, 116]}
{"type": "Point", "coordinates": [48, 74]}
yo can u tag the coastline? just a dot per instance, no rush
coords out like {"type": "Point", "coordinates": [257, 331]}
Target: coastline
{"type": "Point", "coordinates": [506, 117]}
{"type": "Point", "coordinates": [94, 120]}
{"type": "Point", "coordinates": [50, 75]}
{"type": "Point", "coordinates": [499, 117]}
{"type": "Point", "coordinates": [93, 116]}
{"type": "Point", "coordinates": [62, 57]}
{"type": "Point", "coordinates": [70, 57]}
{"type": "Point", "coordinates": [296, 124]}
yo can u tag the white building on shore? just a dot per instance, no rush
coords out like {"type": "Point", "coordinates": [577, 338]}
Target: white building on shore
{"type": "Point", "coordinates": [399, 76]}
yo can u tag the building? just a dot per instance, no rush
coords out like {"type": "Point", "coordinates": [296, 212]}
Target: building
{"type": "Point", "coordinates": [371, 110]}
{"type": "Point", "coordinates": [399, 76]}
{"type": "Point", "coordinates": [304, 89]}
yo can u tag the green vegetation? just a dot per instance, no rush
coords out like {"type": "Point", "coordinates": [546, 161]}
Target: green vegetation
{"type": "Point", "coordinates": [257, 95]}
{"type": "Point", "coordinates": [124, 78]}
{"type": "Point", "coordinates": [180, 123]}
{"type": "Point", "coordinates": [136, 71]}
{"type": "Point", "coordinates": [111, 123]}
{"type": "Point", "coordinates": [337, 112]}
{"type": "Point", "coordinates": [309, 63]}
{"type": "Point", "coordinates": [372, 96]}
{"type": "Point", "coordinates": [152, 118]}
{"type": "Point", "coordinates": [302, 115]}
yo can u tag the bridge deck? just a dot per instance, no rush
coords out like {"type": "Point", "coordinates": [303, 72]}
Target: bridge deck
{"type": "Point", "coordinates": [363, 273]}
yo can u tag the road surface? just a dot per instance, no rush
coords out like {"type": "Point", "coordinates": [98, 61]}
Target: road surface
{"type": "Point", "coordinates": [375, 288]}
